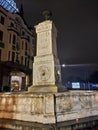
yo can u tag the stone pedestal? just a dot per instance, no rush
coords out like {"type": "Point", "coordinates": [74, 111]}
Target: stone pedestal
{"type": "Point", "coordinates": [46, 66]}
{"type": "Point", "coordinates": [43, 88]}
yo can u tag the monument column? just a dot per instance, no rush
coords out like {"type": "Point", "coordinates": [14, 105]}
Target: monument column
{"type": "Point", "coordinates": [46, 67]}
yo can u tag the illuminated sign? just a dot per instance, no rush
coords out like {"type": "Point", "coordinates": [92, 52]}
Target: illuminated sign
{"type": "Point", "coordinates": [9, 5]}
{"type": "Point", "coordinates": [75, 85]}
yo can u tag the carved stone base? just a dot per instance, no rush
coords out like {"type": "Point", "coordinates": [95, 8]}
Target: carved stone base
{"type": "Point", "coordinates": [43, 88]}
{"type": "Point", "coordinates": [46, 88]}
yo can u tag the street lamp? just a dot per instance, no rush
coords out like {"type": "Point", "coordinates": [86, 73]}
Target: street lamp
{"type": "Point", "coordinates": [63, 65]}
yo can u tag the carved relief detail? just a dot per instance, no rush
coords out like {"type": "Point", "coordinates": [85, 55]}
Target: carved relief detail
{"type": "Point", "coordinates": [37, 106]}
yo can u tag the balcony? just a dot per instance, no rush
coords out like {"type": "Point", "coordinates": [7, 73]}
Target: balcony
{"type": "Point", "coordinates": [24, 37]}
{"type": "Point", "coordinates": [1, 44]}
{"type": "Point", "coordinates": [14, 29]}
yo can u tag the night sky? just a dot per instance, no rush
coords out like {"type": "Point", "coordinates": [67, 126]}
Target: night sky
{"type": "Point", "coordinates": [77, 24]}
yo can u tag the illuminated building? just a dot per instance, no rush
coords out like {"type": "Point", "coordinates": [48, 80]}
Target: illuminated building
{"type": "Point", "coordinates": [16, 50]}
{"type": "Point", "coordinates": [9, 5]}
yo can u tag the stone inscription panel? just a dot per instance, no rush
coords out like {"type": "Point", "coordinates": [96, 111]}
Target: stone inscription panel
{"type": "Point", "coordinates": [49, 109]}
{"type": "Point", "coordinates": [43, 43]}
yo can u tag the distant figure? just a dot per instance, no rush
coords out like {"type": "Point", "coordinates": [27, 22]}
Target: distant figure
{"type": "Point", "coordinates": [15, 89]}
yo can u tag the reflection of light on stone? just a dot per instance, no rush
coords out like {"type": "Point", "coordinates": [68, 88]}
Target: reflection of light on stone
{"type": "Point", "coordinates": [27, 80]}
{"type": "Point", "coordinates": [3, 101]}
{"type": "Point", "coordinates": [58, 72]}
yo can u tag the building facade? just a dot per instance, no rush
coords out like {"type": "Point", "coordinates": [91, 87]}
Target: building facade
{"type": "Point", "coordinates": [16, 51]}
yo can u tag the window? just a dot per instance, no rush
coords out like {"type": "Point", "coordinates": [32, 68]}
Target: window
{"type": "Point", "coordinates": [22, 45]}
{"type": "Point", "coordinates": [9, 56]}
{"type": "Point", "coordinates": [0, 55]}
{"type": "Point", "coordinates": [26, 46]}
{"type": "Point", "coordinates": [28, 38]}
{"type": "Point", "coordinates": [13, 56]}
{"type": "Point", "coordinates": [6, 5]}
{"type": "Point", "coordinates": [23, 33]}
{"type": "Point", "coordinates": [2, 20]}
{"type": "Point", "coordinates": [14, 39]}
{"type": "Point", "coordinates": [21, 59]}
{"type": "Point", "coordinates": [10, 38]}
{"type": "Point", "coordinates": [25, 61]}
{"type": "Point", "coordinates": [1, 35]}
{"type": "Point", "coordinates": [11, 24]}
{"type": "Point", "coordinates": [17, 58]}
{"type": "Point", "coordinates": [17, 46]}
{"type": "Point", "coordinates": [3, 3]}
{"type": "Point", "coordinates": [28, 62]}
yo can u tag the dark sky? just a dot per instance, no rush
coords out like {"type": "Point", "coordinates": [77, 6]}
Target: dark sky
{"type": "Point", "coordinates": [77, 24]}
